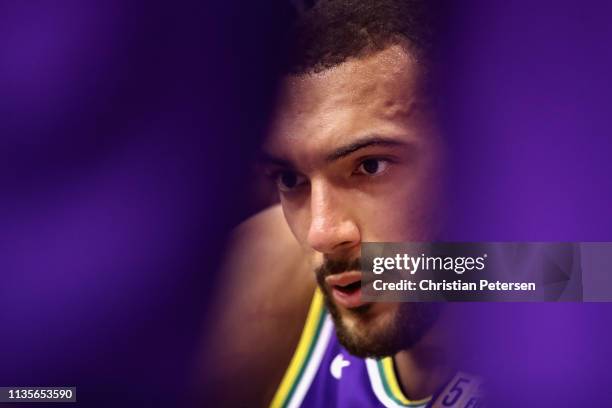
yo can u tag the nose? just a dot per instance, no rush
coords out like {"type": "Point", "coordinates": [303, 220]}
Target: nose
{"type": "Point", "coordinates": [332, 229]}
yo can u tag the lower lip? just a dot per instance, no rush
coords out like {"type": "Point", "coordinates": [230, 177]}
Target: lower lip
{"type": "Point", "coordinates": [348, 300]}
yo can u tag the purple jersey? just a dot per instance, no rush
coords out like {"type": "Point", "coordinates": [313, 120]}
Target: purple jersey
{"type": "Point", "coordinates": [323, 374]}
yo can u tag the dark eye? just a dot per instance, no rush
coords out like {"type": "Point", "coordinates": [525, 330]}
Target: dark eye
{"type": "Point", "coordinates": [289, 180]}
{"type": "Point", "coordinates": [372, 167]}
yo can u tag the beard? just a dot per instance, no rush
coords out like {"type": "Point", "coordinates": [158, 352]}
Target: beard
{"type": "Point", "coordinates": [367, 334]}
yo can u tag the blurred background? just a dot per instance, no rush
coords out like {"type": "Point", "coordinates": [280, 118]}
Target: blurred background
{"type": "Point", "coordinates": [126, 133]}
{"type": "Point", "coordinates": [127, 137]}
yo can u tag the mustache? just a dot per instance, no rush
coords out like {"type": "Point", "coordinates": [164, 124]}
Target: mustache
{"type": "Point", "coordinates": [336, 266]}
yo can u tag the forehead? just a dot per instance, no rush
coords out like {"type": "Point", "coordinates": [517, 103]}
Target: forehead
{"type": "Point", "coordinates": [372, 95]}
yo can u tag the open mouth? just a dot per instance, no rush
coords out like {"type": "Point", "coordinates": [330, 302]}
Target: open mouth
{"type": "Point", "coordinates": [350, 288]}
{"type": "Point", "coordinates": [346, 288]}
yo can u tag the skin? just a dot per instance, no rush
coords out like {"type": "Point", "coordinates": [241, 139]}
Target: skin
{"type": "Point", "coordinates": [356, 157]}
{"type": "Point", "coordinates": [258, 314]}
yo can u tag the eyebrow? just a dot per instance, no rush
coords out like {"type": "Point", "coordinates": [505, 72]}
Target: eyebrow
{"type": "Point", "coordinates": [340, 152]}
{"type": "Point", "coordinates": [367, 141]}
{"type": "Point", "coordinates": [270, 159]}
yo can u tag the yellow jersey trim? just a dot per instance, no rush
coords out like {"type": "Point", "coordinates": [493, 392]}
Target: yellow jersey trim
{"type": "Point", "coordinates": [302, 353]}
{"type": "Point", "coordinates": [389, 377]}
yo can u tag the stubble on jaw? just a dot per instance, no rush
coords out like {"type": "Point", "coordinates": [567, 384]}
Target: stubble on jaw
{"type": "Point", "coordinates": [367, 334]}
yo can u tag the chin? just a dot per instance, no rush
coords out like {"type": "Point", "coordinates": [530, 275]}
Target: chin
{"type": "Point", "coordinates": [369, 317]}
{"type": "Point", "coordinates": [383, 329]}
{"type": "Point", "coordinates": [370, 331]}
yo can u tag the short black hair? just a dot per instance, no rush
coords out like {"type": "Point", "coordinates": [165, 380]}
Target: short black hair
{"type": "Point", "coordinates": [330, 31]}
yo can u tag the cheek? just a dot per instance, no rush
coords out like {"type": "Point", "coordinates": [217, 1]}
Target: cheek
{"type": "Point", "coordinates": [402, 213]}
{"type": "Point", "coordinates": [297, 218]}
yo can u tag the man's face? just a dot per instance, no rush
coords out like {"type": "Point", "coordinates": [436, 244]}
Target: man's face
{"type": "Point", "coordinates": [356, 157]}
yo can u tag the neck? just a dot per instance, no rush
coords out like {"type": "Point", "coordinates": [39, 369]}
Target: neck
{"type": "Point", "coordinates": [427, 366]}
{"type": "Point", "coordinates": [422, 371]}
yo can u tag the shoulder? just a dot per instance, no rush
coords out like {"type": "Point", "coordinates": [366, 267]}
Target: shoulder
{"type": "Point", "coordinates": [261, 304]}
{"type": "Point", "coordinates": [265, 262]}
{"type": "Point", "coordinates": [263, 238]}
